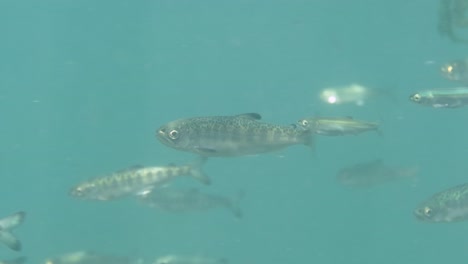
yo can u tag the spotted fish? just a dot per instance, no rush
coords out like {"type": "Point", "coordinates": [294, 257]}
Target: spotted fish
{"type": "Point", "coordinates": [134, 181]}
{"type": "Point", "coordinates": [450, 205]}
{"type": "Point", "coordinates": [223, 136]}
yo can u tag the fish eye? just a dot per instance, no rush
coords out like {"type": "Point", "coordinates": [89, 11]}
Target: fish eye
{"type": "Point", "coordinates": [304, 122]}
{"type": "Point", "coordinates": [174, 134]}
{"type": "Point", "coordinates": [416, 97]}
{"type": "Point", "coordinates": [427, 211]}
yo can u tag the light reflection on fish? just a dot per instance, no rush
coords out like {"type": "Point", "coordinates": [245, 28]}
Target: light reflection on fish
{"type": "Point", "coordinates": [373, 173]}
{"type": "Point", "coordinates": [224, 136]}
{"type": "Point", "coordinates": [180, 200]}
{"type": "Point", "coordinates": [456, 71]}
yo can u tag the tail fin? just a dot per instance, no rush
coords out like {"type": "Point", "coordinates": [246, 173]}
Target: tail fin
{"type": "Point", "coordinates": [197, 172]}
{"type": "Point", "coordinates": [10, 240]}
{"type": "Point", "coordinates": [7, 224]}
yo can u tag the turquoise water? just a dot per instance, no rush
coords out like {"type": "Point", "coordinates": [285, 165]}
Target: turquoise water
{"type": "Point", "coordinates": [85, 84]}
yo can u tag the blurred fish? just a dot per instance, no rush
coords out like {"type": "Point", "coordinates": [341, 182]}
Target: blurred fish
{"type": "Point", "coordinates": [373, 173]}
{"type": "Point", "coordinates": [175, 259]}
{"type": "Point", "coordinates": [89, 257]}
{"type": "Point", "coordinates": [442, 98]}
{"type": "Point", "coordinates": [338, 126]}
{"type": "Point", "coordinates": [352, 94]}
{"type": "Point", "coordinates": [19, 260]}
{"type": "Point", "coordinates": [173, 200]}
{"type": "Point", "coordinates": [8, 223]}
{"type": "Point", "coordinates": [452, 19]}
{"type": "Point", "coordinates": [456, 71]}
{"type": "Point", "coordinates": [450, 205]}
{"type": "Point", "coordinates": [237, 135]}
{"type": "Point", "coordinates": [134, 181]}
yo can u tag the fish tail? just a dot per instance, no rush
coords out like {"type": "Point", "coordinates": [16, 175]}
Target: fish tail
{"type": "Point", "coordinates": [197, 172]}
{"type": "Point", "coordinates": [10, 240]}
{"type": "Point", "coordinates": [8, 223]}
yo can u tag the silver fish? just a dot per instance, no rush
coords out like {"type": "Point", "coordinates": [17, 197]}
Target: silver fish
{"type": "Point", "coordinates": [179, 200]}
{"type": "Point", "coordinates": [89, 257]}
{"type": "Point", "coordinates": [176, 259]}
{"type": "Point", "coordinates": [134, 181]}
{"type": "Point", "coordinates": [373, 173]}
{"type": "Point", "coordinates": [450, 205]}
{"type": "Point", "coordinates": [338, 126]}
{"type": "Point", "coordinates": [442, 98]}
{"type": "Point", "coordinates": [6, 225]}
{"type": "Point", "coordinates": [456, 71]}
{"type": "Point", "coordinates": [224, 136]}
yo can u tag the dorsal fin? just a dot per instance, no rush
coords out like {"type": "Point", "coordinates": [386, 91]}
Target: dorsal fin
{"type": "Point", "coordinates": [253, 116]}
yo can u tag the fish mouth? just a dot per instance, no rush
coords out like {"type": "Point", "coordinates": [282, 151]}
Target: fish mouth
{"type": "Point", "coordinates": [419, 214]}
{"type": "Point", "coordinates": [161, 135]}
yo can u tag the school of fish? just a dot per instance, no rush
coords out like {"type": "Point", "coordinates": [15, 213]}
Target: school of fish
{"type": "Point", "coordinates": [245, 134]}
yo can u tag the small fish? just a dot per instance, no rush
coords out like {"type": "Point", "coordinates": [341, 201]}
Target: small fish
{"type": "Point", "coordinates": [134, 181]}
{"type": "Point", "coordinates": [178, 200]}
{"type": "Point", "coordinates": [442, 98]}
{"type": "Point", "coordinates": [372, 173]}
{"type": "Point", "coordinates": [89, 257]}
{"type": "Point", "coordinates": [338, 126]}
{"type": "Point", "coordinates": [456, 71]}
{"type": "Point", "coordinates": [223, 136]}
{"type": "Point", "coordinates": [175, 259]}
{"type": "Point", "coordinates": [450, 205]}
{"type": "Point", "coordinates": [19, 260]}
{"type": "Point", "coordinates": [8, 223]}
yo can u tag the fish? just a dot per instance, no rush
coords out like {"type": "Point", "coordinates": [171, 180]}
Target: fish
{"type": "Point", "coordinates": [452, 19]}
{"type": "Point", "coordinates": [227, 136]}
{"type": "Point", "coordinates": [180, 200]}
{"type": "Point", "coordinates": [176, 259]}
{"type": "Point", "coordinates": [136, 180]}
{"type": "Point", "coordinates": [442, 98]}
{"type": "Point", "coordinates": [6, 225]}
{"type": "Point", "coordinates": [19, 260]}
{"type": "Point", "coordinates": [338, 126]}
{"type": "Point", "coordinates": [90, 257]}
{"type": "Point", "coordinates": [372, 173]}
{"type": "Point", "coordinates": [456, 71]}
{"type": "Point", "coordinates": [353, 93]}
{"type": "Point", "coordinates": [450, 205]}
